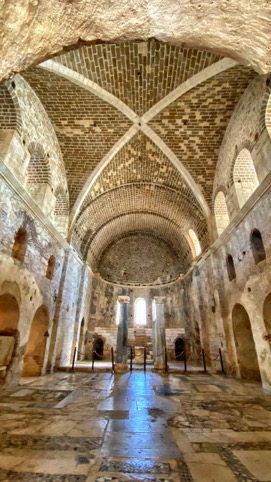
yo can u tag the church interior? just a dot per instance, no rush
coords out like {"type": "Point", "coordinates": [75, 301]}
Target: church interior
{"type": "Point", "coordinates": [135, 215]}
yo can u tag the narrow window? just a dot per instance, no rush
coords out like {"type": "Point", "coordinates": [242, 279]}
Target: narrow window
{"type": "Point", "coordinates": [140, 312]}
{"type": "Point", "coordinates": [230, 268]}
{"type": "Point", "coordinates": [257, 246]}
{"type": "Point", "coordinates": [221, 213]}
{"type": "Point", "coordinates": [50, 268]}
{"type": "Point", "coordinates": [118, 313]}
{"type": "Point", "coordinates": [20, 245]}
{"type": "Point", "coordinates": [244, 177]}
{"type": "Point", "coordinates": [195, 242]}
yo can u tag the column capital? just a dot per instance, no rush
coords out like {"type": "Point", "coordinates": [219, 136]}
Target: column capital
{"type": "Point", "coordinates": [159, 300]}
{"type": "Point", "coordinates": [123, 299]}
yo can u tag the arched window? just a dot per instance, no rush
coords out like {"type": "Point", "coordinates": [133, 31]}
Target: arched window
{"type": "Point", "coordinates": [268, 116]}
{"type": "Point", "coordinates": [257, 246]}
{"type": "Point", "coordinates": [230, 267]}
{"type": "Point", "coordinates": [20, 245]}
{"type": "Point", "coordinates": [140, 312]}
{"type": "Point", "coordinates": [195, 242]}
{"type": "Point", "coordinates": [244, 177]}
{"type": "Point", "coordinates": [50, 267]}
{"type": "Point", "coordinates": [221, 213]}
{"type": "Point", "coordinates": [118, 313]}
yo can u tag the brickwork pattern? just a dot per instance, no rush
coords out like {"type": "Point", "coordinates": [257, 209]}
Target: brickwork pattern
{"type": "Point", "coordinates": [38, 171]}
{"type": "Point", "coordinates": [96, 243]}
{"type": "Point", "coordinates": [8, 115]}
{"type": "Point", "coordinates": [268, 115]}
{"type": "Point", "coordinates": [140, 160]}
{"type": "Point", "coordinates": [194, 125]}
{"type": "Point", "coordinates": [159, 262]}
{"type": "Point", "coordinates": [244, 176]}
{"type": "Point", "coordinates": [86, 126]}
{"type": "Point", "coordinates": [142, 198]}
{"type": "Point", "coordinates": [221, 212]}
{"type": "Point", "coordinates": [138, 73]}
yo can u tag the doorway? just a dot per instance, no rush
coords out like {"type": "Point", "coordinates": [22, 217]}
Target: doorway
{"type": "Point", "coordinates": [36, 345]}
{"type": "Point", "coordinates": [245, 345]}
{"type": "Point", "coordinates": [98, 348]}
{"type": "Point", "coordinates": [179, 349]}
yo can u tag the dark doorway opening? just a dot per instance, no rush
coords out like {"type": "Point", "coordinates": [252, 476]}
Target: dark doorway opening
{"type": "Point", "coordinates": [179, 349]}
{"type": "Point", "coordinates": [98, 348]}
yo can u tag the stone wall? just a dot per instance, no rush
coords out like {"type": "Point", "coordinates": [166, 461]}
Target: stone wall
{"type": "Point", "coordinates": [212, 296]}
{"type": "Point", "coordinates": [140, 258]}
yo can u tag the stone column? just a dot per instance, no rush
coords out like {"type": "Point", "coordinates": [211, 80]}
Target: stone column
{"type": "Point", "coordinates": [159, 333]}
{"type": "Point", "coordinates": [122, 336]}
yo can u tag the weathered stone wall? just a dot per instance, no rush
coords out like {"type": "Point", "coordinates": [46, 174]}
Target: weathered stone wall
{"type": "Point", "coordinates": [140, 258]}
{"type": "Point", "coordinates": [29, 146]}
{"type": "Point", "coordinates": [246, 130]}
{"type": "Point", "coordinates": [212, 296]}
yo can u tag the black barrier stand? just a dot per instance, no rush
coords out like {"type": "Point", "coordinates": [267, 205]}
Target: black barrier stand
{"type": "Point", "coordinates": [73, 360]}
{"type": "Point", "coordinates": [204, 361]}
{"type": "Point", "coordinates": [221, 361]}
{"type": "Point", "coordinates": [131, 358]}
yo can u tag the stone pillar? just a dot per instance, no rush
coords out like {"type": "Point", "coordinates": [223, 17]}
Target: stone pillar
{"type": "Point", "coordinates": [122, 336]}
{"type": "Point", "coordinates": [159, 333]}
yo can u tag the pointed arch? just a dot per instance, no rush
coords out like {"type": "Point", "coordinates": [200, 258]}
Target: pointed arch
{"type": "Point", "coordinates": [221, 213]}
{"type": "Point", "coordinates": [195, 243]}
{"type": "Point", "coordinates": [245, 178]}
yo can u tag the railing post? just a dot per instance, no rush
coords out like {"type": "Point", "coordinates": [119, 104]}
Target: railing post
{"type": "Point", "coordinates": [221, 361]}
{"type": "Point", "coordinates": [184, 361]}
{"type": "Point", "coordinates": [93, 353]}
{"type": "Point", "coordinates": [73, 360]}
{"type": "Point", "coordinates": [131, 358]}
{"type": "Point", "coordinates": [166, 365]}
{"type": "Point", "coordinates": [145, 358]}
{"type": "Point", "coordinates": [112, 358]}
{"type": "Point", "coordinates": [204, 361]}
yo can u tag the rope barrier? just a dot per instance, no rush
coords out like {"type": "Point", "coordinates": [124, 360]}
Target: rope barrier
{"type": "Point", "coordinates": [212, 359]}
{"type": "Point", "coordinates": [101, 356]}
{"type": "Point", "coordinates": [178, 356]}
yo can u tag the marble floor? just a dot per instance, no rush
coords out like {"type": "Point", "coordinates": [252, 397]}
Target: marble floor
{"type": "Point", "coordinates": [97, 427]}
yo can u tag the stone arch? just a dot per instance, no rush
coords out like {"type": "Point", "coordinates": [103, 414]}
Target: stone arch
{"type": "Point", "coordinates": [268, 115]}
{"type": "Point", "coordinates": [196, 247]}
{"type": "Point", "coordinates": [257, 246]}
{"type": "Point", "coordinates": [245, 178]}
{"type": "Point", "coordinates": [9, 313]}
{"type": "Point", "coordinates": [230, 267]}
{"type": "Point", "coordinates": [9, 319]}
{"type": "Point", "coordinates": [36, 345]}
{"type": "Point", "coordinates": [267, 318]}
{"type": "Point", "coordinates": [9, 119]}
{"type": "Point", "coordinates": [221, 213]}
{"type": "Point", "coordinates": [244, 343]}
{"type": "Point", "coordinates": [51, 267]}
{"type": "Point", "coordinates": [20, 244]}
{"type": "Point", "coordinates": [61, 212]}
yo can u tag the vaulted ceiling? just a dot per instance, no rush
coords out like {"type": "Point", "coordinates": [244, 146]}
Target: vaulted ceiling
{"type": "Point", "coordinates": [140, 125]}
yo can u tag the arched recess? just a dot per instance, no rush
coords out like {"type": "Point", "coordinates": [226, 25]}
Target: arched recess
{"type": "Point", "coordinates": [51, 267]}
{"type": "Point", "coordinates": [244, 343]}
{"type": "Point", "coordinates": [61, 212]}
{"type": "Point", "coordinates": [39, 182]}
{"type": "Point", "coordinates": [179, 349]}
{"type": "Point", "coordinates": [9, 319]}
{"type": "Point", "coordinates": [257, 246]}
{"type": "Point", "coordinates": [80, 352]}
{"type": "Point", "coordinates": [36, 345]}
{"type": "Point", "coordinates": [267, 318]}
{"type": "Point", "coordinates": [245, 178]}
{"type": "Point", "coordinates": [221, 213]}
{"type": "Point", "coordinates": [140, 311]}
{"type": "Point", "coordinates": [20, 245]}
{"type": "Point", "coordinates": [195, 243]}
{"type": "Point", "coordinates": [268, 116]}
